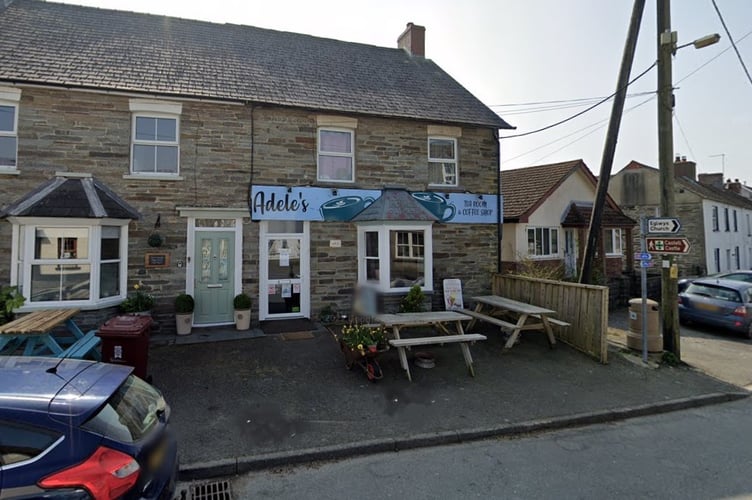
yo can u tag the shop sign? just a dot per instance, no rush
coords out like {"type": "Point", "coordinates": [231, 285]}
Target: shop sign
{"type": "Point", "coordinates": [327, 204]}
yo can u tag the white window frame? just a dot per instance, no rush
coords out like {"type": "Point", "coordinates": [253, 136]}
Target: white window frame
{"type": "Point", "coordinates": [383, 284]}
{"type": "Point", "coordinates": [444, 162]}
{"type": "Point", "coordinates": [11, 97]}
{"type": "Point", "coordinates": [320, 153]}
{"type": "Point", "coordinates": [146, 108]}
{"type": "Point", "coordinates": [614, 235]}
{"type": "Point", "coordinates": [535, 238]}
{"type": "Point", "coordinates": [22, 259]}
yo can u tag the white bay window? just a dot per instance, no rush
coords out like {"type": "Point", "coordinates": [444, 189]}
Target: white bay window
{"type": "Point", "coordinates": [395, 257]}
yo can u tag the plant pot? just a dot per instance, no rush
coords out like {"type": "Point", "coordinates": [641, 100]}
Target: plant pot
{"type": "Point", "coordinates": [242, 319]}
{"type": "Point", "coordinates": [184, 323]}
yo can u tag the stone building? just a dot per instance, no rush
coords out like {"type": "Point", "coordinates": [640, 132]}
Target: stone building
{"type": "Point", "coordinates": [186, 156]}
{"type": "Point", "coordinates": [714, 217]}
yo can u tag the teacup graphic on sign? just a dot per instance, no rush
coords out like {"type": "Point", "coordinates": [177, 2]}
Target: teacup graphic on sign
{"type": "Point", "coordinates": [344, 208]}
{"type": "Point", "coordinates": [437, 205]}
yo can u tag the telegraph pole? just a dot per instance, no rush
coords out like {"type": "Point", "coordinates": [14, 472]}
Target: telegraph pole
{"type": "Point", "coordinates": [669, 273]}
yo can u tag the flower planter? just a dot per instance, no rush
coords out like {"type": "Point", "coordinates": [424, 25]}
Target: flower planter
{"type": "Point", "coordinates": [184, 323]}
{"type": "Point", "coordinates": [242, 319]}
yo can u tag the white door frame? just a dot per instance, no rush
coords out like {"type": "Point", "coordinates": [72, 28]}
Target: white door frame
{"type": "Point", "coordinates": [305, 271]}
{"type": "Point", "coordinates": [193, 213]}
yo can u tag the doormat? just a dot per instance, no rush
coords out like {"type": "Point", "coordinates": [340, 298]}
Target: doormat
{"type": "Point", "coordinates": [288, 326]}
{"type": "Point", "coordinates": [296, 335]}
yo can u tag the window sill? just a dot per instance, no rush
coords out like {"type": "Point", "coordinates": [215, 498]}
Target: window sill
{"type": "Point", "coordinates": [78, 304]}
{"type": "Point", "coordinates": [164, 177]}
{"type": "Point", "coordinates": [9, 171]}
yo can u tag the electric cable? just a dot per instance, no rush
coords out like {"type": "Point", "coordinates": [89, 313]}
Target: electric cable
{"type": "Point", "coordinates": [681, 129]}
{"type": "Point", "coordinates": [733, 44]}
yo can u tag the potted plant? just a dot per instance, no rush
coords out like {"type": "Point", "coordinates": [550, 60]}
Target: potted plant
{"type": "Point", "coordinates": [184, 305]}
{"type": "Point", "coordinates": [242, 305]}
{"type": "Point", "coordinates": [10, 299]}
{"type": "Point", "coordinates": [413, 301]}
{"type": "Point", "coordinates": [139, 303]}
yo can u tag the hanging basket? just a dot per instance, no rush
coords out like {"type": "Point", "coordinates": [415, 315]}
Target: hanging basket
{"type": "Point", "coordinates": [155, 240]}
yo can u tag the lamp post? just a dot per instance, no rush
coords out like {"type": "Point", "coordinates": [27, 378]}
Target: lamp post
{"type": "Point", "coordinates": [669, 273]}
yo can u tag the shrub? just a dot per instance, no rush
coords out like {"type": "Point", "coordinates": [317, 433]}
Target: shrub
{"type": "Point", "coordinates": [137, 302]}
{"type": "Point", "coordinates": [241, 301]}
{"type": "Point", "coordinates": [10, 299]}
{"type": "Point", "coordinates": [413, 301]}
{"type": "Point", "coordinates": [184, 303]}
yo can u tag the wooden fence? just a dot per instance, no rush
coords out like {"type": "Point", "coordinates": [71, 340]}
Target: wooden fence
{"type": "Point", "coordinates": [585, 307]}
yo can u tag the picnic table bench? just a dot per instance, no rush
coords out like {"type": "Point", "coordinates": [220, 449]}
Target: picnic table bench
{"type": "Point", "coordinates": [33, 333]}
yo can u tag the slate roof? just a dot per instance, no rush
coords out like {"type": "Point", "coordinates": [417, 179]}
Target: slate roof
{"type": "Point", "coordinates": [395, 205]}
{"type": "Point", "coordinates": [704, 191]}
{"type": "Point", "coordinates": [85, 47]}
{"type": "Point", "coordinates": [71, 197]}
{"type": "Point", "coordinates": [579, 212]}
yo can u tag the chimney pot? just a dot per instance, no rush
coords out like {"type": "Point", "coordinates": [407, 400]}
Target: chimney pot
{"type": "Point", "coordinates": [413, 40]}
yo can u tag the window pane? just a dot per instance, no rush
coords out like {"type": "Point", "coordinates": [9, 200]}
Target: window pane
{"type": "Point", "coordinates": [337, 168]}
{"type": "Point", "coordinates": [110, 245]}
{"type": "Point", "coordinates": [167, 129]}
{"type": "Point", "coordinates": [608, 241]}
{"type": "Point", "coordinates": [7, 118]}
{"type": "Point", "coordinates": [531, 241]}
{"type": "Point", "coordinates": [109, 280]}
{"type": "Point", "coordinates": [61, 243]}
{"type": "Point", "coordinates": [546, 242]}
{"type": "Point", "coordinates": [554, 241]}
{"type": "Point", "coordinates": [372, 244]}
{"type": "Point", "coordinates": [143, 158]}
{"type": "Point", "coordinates": [8, 151]}
{"type": "Point", "coordinates": [52, 282]}
{"type": "Point", "coordinates": [441, 149]}
{"type": "Point", "coordinates": [146, 128]}
{"type": "Point", "coordinates": [335, 142]}
{"type": "Point", "coordinates": [285, 226]}
{"type": "Point", "coordinates": [405, 271]}
{"type": "Point", "coordinates": [167, 159]}
{"type": "Point", "coordinates": [372, 270]}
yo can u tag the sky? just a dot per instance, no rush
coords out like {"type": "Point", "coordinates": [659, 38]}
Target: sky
{"type": "Point", "coordinates": [511, 53]}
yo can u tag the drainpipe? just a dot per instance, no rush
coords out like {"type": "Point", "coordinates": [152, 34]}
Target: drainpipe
{"type": "Point", "coordinates": [498, 202]}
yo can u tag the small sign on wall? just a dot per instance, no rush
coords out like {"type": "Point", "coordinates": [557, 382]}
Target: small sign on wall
{"type": "Point", "coordinates": [157, 260]}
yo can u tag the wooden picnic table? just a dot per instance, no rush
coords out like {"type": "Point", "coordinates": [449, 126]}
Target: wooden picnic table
{"type": "Point", "coordinates": [436, 319]}
{"type": "Point", "coordinates": [488, 308]}
{"type": "Point", "coordinates": [33, 331]}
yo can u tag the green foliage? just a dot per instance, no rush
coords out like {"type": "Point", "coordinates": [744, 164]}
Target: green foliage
{"type": "Point", "coordinates": [184, 303]}
{"type": "Point", "coordinates": [10, 299]}
{"type": "Point", "coordinates": [328, 314]}
{"type": "Point", "coordinates": [670, 359]}
{"type": "Point", "coordinates": [241, 301]}
{"type": "Point", "coordinates": [139, 301]}
{"type": "Point", "coordinates": [155, 240]}
{"type": "Point", "coordinates": [413, 301]}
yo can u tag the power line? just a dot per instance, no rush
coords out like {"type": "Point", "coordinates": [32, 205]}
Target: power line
{"type": "Point", "coordinates": [732, 42]}
{"type": "Point", "coordinates": [574, 103]}
{"type": "Point", "coordinates": [712, 59]}
{"type": "Point", "coordinates": [681, 129]}
{"type": "Point", "coordinates": [583, 111]}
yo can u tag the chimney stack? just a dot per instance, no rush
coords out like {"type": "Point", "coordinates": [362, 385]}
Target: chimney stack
{"type": "Point", "coordinates": [684, 168]}
{"type": "Point", "coordinates": [734, 187]}
{"type": "Point", "coordinates": [413, 40]}
{"type": "Point", "coordinates": [713, 180]}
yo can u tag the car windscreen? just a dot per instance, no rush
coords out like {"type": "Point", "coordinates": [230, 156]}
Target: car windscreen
{"type": "Point", "coordinates": [130, 413]}
{"type": "Point", "coordinates": [714, 292]}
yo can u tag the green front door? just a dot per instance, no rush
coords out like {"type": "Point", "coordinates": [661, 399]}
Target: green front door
{"type": "Point", "coordinates": [214, 282]}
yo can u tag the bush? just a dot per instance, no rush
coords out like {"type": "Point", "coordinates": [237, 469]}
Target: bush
{"type": "Point", "coordinates": [10, 299]}
{"type": "Point", "coordinates": [137, 302]}
{"type": "Point", "coordinates": [184, 304]}
{"type": "Point", "coordinates": [413, 301]}
{"type": "Point", "coordinates": [241, 301]}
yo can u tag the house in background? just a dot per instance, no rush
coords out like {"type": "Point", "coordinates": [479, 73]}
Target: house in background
{"type": "Point", "coordinates": [714, 217]}
{"type": "Point", "coordinates": [287, 166]}
{"type": "Point", "coordinates": [547, 212]}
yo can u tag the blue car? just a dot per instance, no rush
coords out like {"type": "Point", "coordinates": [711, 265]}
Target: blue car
{"type": "Point", "coordinates": [723, 303]}
{"type": "Point", "coordinates": [76, 429]}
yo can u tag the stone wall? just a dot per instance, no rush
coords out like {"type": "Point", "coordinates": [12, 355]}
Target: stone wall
{"type": "Point", "coordinates": [224, 148]}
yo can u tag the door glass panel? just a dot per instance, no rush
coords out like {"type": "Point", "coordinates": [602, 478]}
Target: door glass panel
{"type": "Point", "coordinates": [215, 222]}
{"type": "Point", "coordinates": [206, 248]}
{"type": "Point", "coordinates": [284, 259]}
{"type": "Point", "coordinates": [286, 226]}
{"type": "Point", "coordinates": [223, 245]}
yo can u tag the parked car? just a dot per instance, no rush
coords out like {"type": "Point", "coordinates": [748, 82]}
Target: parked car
{"type": "Point", "coordinates": [717, 302]}
{"type": "Point", "coordinates": [739, 275]}
{"type": "Point", "coordinates": [75, 429]}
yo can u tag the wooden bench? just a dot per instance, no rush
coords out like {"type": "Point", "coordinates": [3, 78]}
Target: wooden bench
{"type": "Point", "coordinates": [553, 321]}
{"type": "Point", "coordinates": [463, 340]}
{"type": "Point", "coordinates": [83, 347]}
{"type": "Point", "coordinates": [489, 319]}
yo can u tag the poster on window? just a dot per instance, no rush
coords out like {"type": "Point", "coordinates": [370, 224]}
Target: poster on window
{"type": "Point", "coordinates": [286, 291]}
{"type": "Point", "coordinates": [284, 257]}
{"type": "Point", "coordinates": [272, 290]}
{"type": "Point", "coordinates": [296, 288]}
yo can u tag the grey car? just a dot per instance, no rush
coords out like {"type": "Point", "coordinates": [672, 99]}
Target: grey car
{"type": "Point", "coordinates": [717, 302]}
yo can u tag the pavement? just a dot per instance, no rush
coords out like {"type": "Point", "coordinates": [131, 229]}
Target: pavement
{"type": "Point", "coordinates": [245, 401]}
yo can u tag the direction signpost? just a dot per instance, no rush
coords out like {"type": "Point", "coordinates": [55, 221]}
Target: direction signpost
{"type": "Point", "coordinates": [666, 225]}
{"type": "Point", "coordinates": [667, 245]}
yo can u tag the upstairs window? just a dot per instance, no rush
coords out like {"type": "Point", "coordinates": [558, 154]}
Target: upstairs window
{"type": "Point", "coordinates": [155, 138]}
{"type": "Point", "coordinates": [736, 222]}
{"type": "Point", "coordinates": [715, 218]}
{"type": "Point", "coordinates": [336, 160]}
{"type": "Point", "coordinates": [726, 219]}
{"type": "Point", "coordinates": [543, 242]}
{"type": "Point", "coordinates": [9, 99]}
{"type": "Point", "coordinates": [442, 161]}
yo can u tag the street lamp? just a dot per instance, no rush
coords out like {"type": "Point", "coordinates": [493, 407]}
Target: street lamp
{"type": "Point", "coordinates": [669, 272]}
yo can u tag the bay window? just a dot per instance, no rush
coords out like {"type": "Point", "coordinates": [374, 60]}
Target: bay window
{"type": "Point", "coordinates": [395, 257]}
{"type": "Point", "coordinates": [75, 262]}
